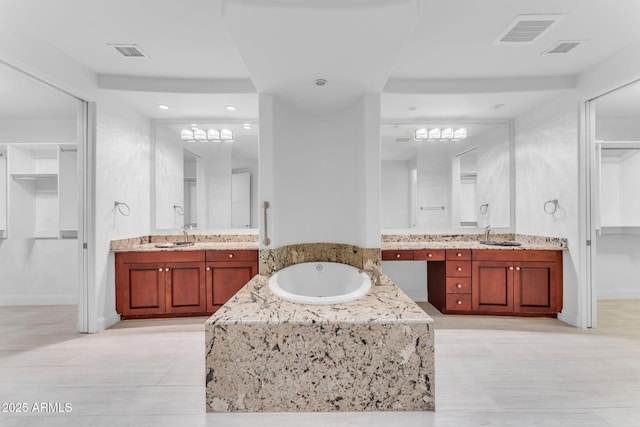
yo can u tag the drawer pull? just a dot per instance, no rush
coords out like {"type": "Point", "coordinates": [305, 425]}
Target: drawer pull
{"type": "Point", "coordinates": [397, 255]}
{"type": "Point", "coordinates": [459, 286]}
{"type": "Point", "coordinates": [208, 268]}
{"type": "Point", "coordinates": [458, 254]}
{"type": "Point", "coordinates": [459, 268]}
{"type": "Point", "coordinates": [430, 256]}
{"type": "Point", "coordinates": [230, 255]}
{"type": "Point", "coordinates": [459, 302]}
{"type": "Point", "coordinates": [518, 268]}
{"type": "Point", "coordinates": [511, 268]}
{"type": "Point", "coordinates": [166, 269]}
{"type": "Point", "coordinates": [160, 269]}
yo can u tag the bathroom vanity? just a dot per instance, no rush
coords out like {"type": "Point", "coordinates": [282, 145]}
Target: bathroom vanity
{"type": "Point", "coordinates": [467, 277]}
{"type": "Point", "coordinates": [193, 280]}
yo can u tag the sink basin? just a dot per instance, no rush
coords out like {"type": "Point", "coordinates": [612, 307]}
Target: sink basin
{"type": "Point", "coordinates": [500, 243]}
{"type": "Point", "coordinates": [173, 244]}
{"type": "Point", "coordinates": [320, 283]}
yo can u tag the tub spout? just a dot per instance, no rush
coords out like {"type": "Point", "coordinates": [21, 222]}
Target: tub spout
{"type": "Point", "coordinates": [374, 274]}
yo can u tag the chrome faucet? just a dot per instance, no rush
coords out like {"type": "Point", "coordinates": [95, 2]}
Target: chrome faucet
{"type": "Point", "coordinates": [487, 231]}
{"type": "Point", "coordinates": [185, 233]}
{"type": "Point", "coordinates": [374, 273]}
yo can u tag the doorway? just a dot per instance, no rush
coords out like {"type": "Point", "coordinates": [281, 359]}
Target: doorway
{"type": "Point", "coordinates": [43, 139]}
{"type": "Point", "coordinates": [614, 145]}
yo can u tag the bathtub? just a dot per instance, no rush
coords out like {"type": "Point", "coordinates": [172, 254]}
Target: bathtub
{"type": "Point", "coordinates": [320, 283]}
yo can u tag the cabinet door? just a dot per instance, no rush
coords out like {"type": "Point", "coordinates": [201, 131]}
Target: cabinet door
{"type": "Point", "coordinates": [536, 288]}
{"type": "Point", "coordinates": [185, 287]}
{"type": "Point", "coordinates": [140, 289]}
{"type": "Point", "coordinates": [224, 279]}
{"type": "Point", "coordinates": [492, 286]}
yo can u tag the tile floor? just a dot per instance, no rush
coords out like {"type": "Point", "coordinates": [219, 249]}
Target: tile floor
{"type": "Point", "coordinates": [490, 371]}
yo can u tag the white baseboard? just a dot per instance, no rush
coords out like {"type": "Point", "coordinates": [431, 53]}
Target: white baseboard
{"type": "Point", "coordinates": [569, 318]}
{"type": "Point", "coordinates": [108, 321]}
{"type": "Point", "coordinates": [618, 294]}
{"type": "Point", "coordinates": [39, 300]}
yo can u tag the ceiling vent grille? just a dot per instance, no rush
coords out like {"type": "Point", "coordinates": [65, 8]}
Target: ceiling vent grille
{"type": "Point", "coordinates": [402, 139]}
{"type": "Point", "coordinates": [563, 46]}
{"type": "Point", "coordinates": [130, 50]}
{"type": "Point", "coordinates": [526, 29]}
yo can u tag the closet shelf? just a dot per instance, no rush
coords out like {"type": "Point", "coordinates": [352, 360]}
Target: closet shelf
{"type": "Point", "coordinates": [33, 176]}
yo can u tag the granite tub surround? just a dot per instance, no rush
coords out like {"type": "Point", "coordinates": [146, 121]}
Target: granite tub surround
{"type": "Point", "coordinates": [201, 242]}
{"type": "Point", "coordinates": [267, 354]}
{"type": "Point", "coordinates": [470, 241]}
{"type": "Point", "coordinates": [272, 260]}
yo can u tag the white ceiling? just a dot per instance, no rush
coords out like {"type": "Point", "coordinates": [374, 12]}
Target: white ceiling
{"type": "Point", "coordinates": [187, 41]}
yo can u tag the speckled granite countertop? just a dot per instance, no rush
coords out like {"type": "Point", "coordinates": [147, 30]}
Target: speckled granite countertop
{"type": "Point", "coordinates": [383, 305]}
{"type": "Point", "coordinates": [470, 241]}
{"type": "Point", "coordinates": [198, 246]}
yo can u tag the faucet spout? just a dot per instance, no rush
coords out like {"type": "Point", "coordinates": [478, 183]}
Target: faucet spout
{"type": "Point", "coordinates": [374, 273]}
{"type": "Point", "coordinates": [185, 233]}
{"type": "Point", "coordinates": [487, 231]}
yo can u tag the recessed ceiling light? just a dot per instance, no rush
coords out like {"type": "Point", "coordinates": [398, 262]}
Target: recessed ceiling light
{"type": "Point", "coordinates": [163, 106]}
{"type": "Point", "coordinates": [320, 82]}
{"type": "Point", "coordinates": [498, 106]}
{"type": "Point", "coordinates": [231, 107]}
{"type": "Point", "coordinates": [412, 108]}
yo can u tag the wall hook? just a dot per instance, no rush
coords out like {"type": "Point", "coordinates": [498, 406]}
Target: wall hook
{"type": "Point", "coordinates": [119, 205]}
{"type": "Point", "coordinates": [551, 206]}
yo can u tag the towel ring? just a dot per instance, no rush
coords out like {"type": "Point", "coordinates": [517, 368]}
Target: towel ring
{"type": "Point", "coordinates": [484, 208]}
{"type": "Point", "coordinates": [551, 206]}
{"type": "Point", "coordinates": [119, 205]}
{"type": "Point", "coordinates": [178, 210]}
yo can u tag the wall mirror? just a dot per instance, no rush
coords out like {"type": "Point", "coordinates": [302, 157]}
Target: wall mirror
{"type": "Point", "coordinates": [205, 176]}
{"type": "Point", "coordinates": [446, 177]}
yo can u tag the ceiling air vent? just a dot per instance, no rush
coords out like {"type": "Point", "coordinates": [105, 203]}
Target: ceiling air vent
{"type": "Point", "coordinates": [130, 50]}
{"type": "Point", "coordinates": [526, 29]}
{"type": "Point", "coordinates": [563, 46]}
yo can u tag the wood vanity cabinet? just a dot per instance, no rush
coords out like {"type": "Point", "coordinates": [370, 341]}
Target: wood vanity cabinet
{"type": "Point", "coordinates": [226, 273]}
{"type": "Point", "coordinates": [180, 283]}
{"type": "Point", "coordinates": [160, 283]}
{"type": "Point", "coordinates": [499, 282]}
{"type": "Point", "coordinates": [519, 282]}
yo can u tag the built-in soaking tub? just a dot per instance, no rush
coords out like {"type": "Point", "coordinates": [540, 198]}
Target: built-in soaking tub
{"type": "Point", "coordinates": [320, 283]}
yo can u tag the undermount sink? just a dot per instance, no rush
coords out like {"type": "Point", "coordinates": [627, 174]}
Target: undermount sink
{"type": "Point", "coordinates": [173, 244]}
{"type": "Point", "coordinates": [500, 243]}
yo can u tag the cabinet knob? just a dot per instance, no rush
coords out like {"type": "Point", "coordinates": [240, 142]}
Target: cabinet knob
{"type": "Point", "coordinates": [160, 269]}
{"type": "Point", "coordinates": [166, 269]}
{"type": "Point", "coordinates": [459, 302]}
{"type": "Point", "coordinates": [397, 255]}
{"type": "Point", "coordinates": [511, 268]}
{"type": "Point", "coordinates": [459, 268]}
{"type": "Point", "coordinates": [429, 255]}
{"type": "Point", "coordinates": [208, 268]}
{"type": "Point", "coordinates": [518, 268]}
{"type": "Point", "coordinates": [230, 255]}
{"type": "Point", "coordinates": [458, 254]}
{"type": "Point", "coordinates": [459, 286]}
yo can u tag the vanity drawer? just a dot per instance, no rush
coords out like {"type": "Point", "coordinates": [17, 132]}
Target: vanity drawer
{"type": "Point", "coordinates": [239, 255]}
{"type": "Point", "coordinates": [458, 269]}
{"type": "Point", "coordinates": [458, 285]}
{"type": "Point", "coordinates": [461, 302]}
{"type": "Point", "coordinates": [397, 255]}
{"type": "Point", "coordinates": [459, 254]}
{"type": "Point", "coordinates": [429, 255]}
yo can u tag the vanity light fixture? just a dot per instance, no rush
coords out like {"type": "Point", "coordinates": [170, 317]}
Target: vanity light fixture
{"type": "Point", "coordinates": [437, 134]}
{"type": "Point", "coordinates": [210, 135]}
